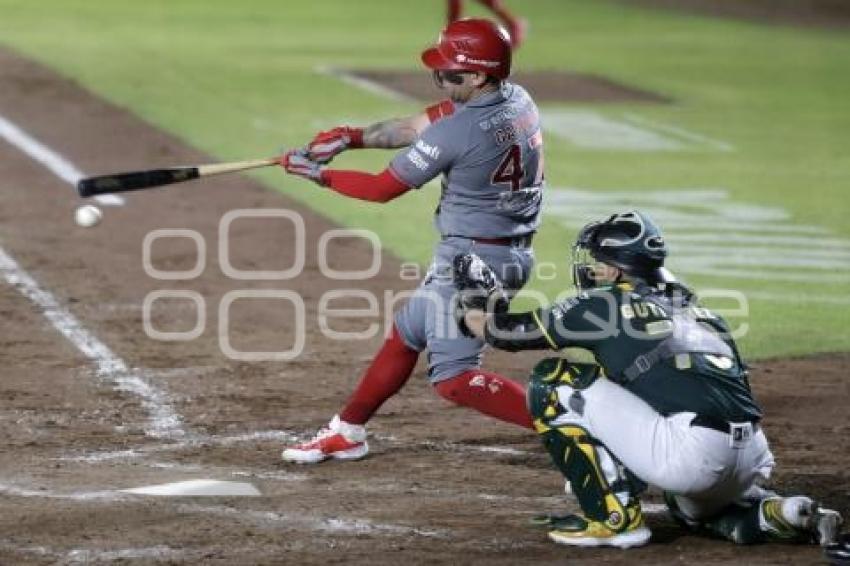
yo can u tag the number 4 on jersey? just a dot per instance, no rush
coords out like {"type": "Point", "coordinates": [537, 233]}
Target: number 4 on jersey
{"type": "Point", "coordinates": [510, 169]}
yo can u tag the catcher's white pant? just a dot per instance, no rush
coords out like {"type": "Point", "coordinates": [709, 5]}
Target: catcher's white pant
{"type": "Point", "coordinates": [700, 465]}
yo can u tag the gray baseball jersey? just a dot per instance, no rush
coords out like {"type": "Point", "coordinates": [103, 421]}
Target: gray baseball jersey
{"type": "Point", "coordinates": [490, 152]}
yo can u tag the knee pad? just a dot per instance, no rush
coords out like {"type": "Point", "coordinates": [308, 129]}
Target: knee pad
{"type": "Point", "coordinates": [546, 377]}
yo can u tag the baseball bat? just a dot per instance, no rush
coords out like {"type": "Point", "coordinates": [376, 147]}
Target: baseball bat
{"type": "Point", "coordinates": [135, 180]}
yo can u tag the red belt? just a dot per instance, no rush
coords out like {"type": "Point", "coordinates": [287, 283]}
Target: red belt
{"type": "Point", "coordinates": [516, 241]}
{"type": "Point", "coordinates": [494, 241]}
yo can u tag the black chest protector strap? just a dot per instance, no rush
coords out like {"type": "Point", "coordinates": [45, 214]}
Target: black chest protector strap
{"type": "Point", "coordinates": [689, 336]}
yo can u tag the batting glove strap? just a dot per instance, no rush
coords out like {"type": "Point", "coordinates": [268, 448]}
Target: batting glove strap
{"type": "Point", "coordinates": [296, 162]}
{"type": "Point", "coordinates": [327, 145]}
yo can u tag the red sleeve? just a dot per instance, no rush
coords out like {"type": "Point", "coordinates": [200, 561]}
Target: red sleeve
{"type": "Point", "coordinates": [382, 187]}
{"type": "Point", "coordinates": [440, 110]}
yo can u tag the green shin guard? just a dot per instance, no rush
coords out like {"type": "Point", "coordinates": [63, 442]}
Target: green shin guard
{"type": "Point", "coordinates": [598, 481]}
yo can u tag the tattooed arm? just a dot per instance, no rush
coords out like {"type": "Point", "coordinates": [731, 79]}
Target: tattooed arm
{"type": "Point", "coordinates": [388, 134]}
{"type": "Point", "coordinates": [395, 133]}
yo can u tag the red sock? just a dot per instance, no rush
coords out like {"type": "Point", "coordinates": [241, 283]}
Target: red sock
{"type": "Point", "coordinates": [488, 393]}
{"type": "Point", "coordinates": [387, 373]}
{"type": "Point", "coordinates": [454, 8]}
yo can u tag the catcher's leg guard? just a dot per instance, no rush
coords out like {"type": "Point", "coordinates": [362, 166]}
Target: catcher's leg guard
{"type": "Point", "coordinates": [599, 482]}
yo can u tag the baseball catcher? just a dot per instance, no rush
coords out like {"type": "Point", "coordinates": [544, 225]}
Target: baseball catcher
{"type": "Point", "coordinates": [668, 402]}
{"type": "Point", "coordinates": [486, 142]}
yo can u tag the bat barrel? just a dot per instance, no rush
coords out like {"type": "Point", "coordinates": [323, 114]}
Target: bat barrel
{"type": "Point", "coordinates": [134, 181]}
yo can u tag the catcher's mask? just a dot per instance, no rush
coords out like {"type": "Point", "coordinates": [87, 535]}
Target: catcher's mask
{"type": "Point", "coordinates": [629, 241]}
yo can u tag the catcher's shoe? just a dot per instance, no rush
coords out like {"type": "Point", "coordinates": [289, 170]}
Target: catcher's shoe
{"type": "Point", "coordinates": [339, 440]}
{"type": "Point", "coordinates": [796, 518]}
{"type": "Point", "coordinates": [826, 525]}
{"type": "Point", "coordinates": [578, 530]}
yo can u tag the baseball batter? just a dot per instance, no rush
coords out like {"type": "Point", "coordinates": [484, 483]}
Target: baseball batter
{"type": "Point", "coordinates": [668, 404]}
{"type": "Point", "coordinates": [486, 143]}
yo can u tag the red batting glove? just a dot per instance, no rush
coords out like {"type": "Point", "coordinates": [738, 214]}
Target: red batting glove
{"type": "Point", "coordinates": [327, 145]}
{"type": "Point", "coordinates": [296, 162]}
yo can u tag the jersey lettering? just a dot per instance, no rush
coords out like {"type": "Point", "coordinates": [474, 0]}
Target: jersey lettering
{"type": "Point", "coordinates": [510, 169]}
{"type": "Point", "coordinates": [416, 158]}
{"type": "Point", "coordinates": [506, 134]}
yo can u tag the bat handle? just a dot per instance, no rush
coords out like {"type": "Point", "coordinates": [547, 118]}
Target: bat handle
{"type": "Point", "coordinates": [233, 167]}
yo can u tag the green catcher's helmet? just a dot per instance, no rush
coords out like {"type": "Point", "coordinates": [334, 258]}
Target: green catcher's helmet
{"type": "Point", "coordinates": [630, 241]}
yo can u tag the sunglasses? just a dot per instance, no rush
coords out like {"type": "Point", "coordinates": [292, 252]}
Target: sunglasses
{"type": "Point", "coordinates": [451, 77]}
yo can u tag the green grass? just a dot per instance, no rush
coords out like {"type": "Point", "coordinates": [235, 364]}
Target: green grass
{"type": "Point", "coordinates": [237, 80]}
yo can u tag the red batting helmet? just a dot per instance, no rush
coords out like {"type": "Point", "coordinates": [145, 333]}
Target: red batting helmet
{"type": "Point", "coordinates": [471, 45]}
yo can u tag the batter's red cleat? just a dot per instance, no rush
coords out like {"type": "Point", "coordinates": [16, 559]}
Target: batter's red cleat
{"type": "Point", "coordinates": [339, 440]}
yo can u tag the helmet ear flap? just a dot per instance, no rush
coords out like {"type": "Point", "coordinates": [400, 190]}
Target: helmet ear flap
{"type": "Point", "coordinates": [655, 243]}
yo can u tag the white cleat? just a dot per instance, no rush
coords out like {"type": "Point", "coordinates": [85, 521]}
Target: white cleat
{"type": "Point", "coordinates": [826, 525]}
{"type": "Point", "coordinates": [339, 441]}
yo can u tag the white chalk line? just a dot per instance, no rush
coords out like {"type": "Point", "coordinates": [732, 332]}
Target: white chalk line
{"type": "Point", "coordinates": [543, 501]}
{"type": "Point", "coordinates": [188, 442]}
{"type": "Point", "coordinates": [97, 555]}
{"type": "Point", "coordinates": [50, 159]}
{"type": "Point", "coordinates": [448, 446]}
{"type": "Point", "coordinates": [842, 244]}
{"type": "Point", "coordinates": [11, 490]}
{"type": "Point", "coordinates": [219, 471]}
{"type": "Point", "coordinates": [364, 84]}
{"type": "Point", "coordinates": [797, 298]}
{"type": "Point", "coordinates": [711, 235]}
{"type": "Point", "coordinates": [164, 421]}
{"type": "Point", "coordinates": [333, 525]}
{"type": "Point", "coordinates": [194, 441]}
{"type": "Point", "coordinates": [88, 555]}
{"type": "Point", "coordinates": [680, 132]}
{"type": "Point", "coordinates": [592, 130]}
{"type": "Point", "coordinates": [279, 520]}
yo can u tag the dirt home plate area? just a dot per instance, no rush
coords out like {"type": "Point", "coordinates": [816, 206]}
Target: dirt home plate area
{"type": "Point", "coordinates": [109, 439]}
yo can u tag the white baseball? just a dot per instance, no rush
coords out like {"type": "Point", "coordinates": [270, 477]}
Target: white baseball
{"type": "Point", "coordinates": [87, 215]}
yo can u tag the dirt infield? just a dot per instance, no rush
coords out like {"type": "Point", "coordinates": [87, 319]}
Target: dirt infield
{"type": "Point", "coordinates": [830, 14]}
{"type": "Point", "coordinates": [443, 485]}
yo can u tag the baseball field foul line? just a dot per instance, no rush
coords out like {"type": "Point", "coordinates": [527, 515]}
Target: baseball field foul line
{"type": "Point", "coordinates": [277, 520]}
{"type": "Point", "coordinates": [98, 556]}
{"type": "Point", "coordinates": [364, 84]}
{"type": "Point", "coordinates": [164, 422]}
{"type": "Point", "coordinates": [57, 164]}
